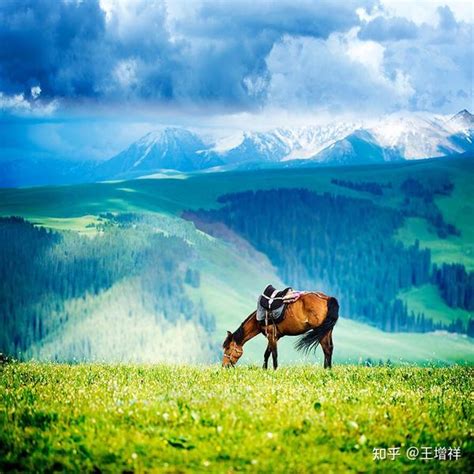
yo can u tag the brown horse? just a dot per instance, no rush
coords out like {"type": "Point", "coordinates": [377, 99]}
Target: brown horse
{"type": "Point", "coordinates": [313, 315]}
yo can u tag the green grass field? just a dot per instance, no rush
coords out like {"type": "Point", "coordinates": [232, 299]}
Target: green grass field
{"type": "Point", "coordinates": [106, 418]}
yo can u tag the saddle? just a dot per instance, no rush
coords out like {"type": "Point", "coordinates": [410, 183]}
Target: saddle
{"type": "Point", "coordinates": [271, 304]}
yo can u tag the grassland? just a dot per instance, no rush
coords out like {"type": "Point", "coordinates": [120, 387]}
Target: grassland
{"type": "Point", "coordinates": [426, 299]}
{"type": "Point", "coordinates": [231, 277]}
{"type": "Point", "coordinates": [105, 418]}
{"type": "Point", "coordinates": [56, 206]}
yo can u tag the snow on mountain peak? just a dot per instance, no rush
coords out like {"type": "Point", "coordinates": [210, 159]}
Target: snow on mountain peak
{"type": "Point", "coordinates": [416, 136]}
{"type": "Point", "coordinates": [394, 137]}
{"type": "Point", "coordinates": [462, 121]}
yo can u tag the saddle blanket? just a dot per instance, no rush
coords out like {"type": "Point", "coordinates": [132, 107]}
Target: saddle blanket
{"type": "Point", "coordinates": [271, 305]}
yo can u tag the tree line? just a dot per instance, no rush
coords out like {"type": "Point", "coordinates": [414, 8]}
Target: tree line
{"type": "Point", "coordinates": [364, 186]}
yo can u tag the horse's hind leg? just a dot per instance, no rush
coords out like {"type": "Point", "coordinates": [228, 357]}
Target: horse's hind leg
{"type": "Point", "coordinates": [266, 356]}
{"type": "Point", "coordinates": [327, 347]}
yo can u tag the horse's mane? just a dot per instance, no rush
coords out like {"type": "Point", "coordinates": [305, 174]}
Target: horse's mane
{"type": "Point", "coordinates": [238, 335]}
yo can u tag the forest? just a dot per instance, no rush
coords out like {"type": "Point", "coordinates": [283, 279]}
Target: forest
{"type": "Point", "coordinates": [43, 271]}
{"type": "Point", "coordinates": [343, 246]}
{"type": "Point", "coordinates": [366, 186]}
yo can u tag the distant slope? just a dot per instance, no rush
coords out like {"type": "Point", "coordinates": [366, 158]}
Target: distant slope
{"type": "Point", "coordinates": [43, 171]}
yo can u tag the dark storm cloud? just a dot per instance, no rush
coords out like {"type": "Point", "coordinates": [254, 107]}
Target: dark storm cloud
{"type": "Point", "coordinates": [229, 55]}
{"type": "Point", "coordinates": [208, 52]}
{"type": "Point", "coordinates": [51, 43]}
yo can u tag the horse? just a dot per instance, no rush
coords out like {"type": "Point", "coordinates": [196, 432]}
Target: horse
{"type": "Point", "coordinates": [313, 315]}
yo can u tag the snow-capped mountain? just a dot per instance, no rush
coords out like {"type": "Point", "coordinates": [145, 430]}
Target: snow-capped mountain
{"type": "Point", "coordinates": [403, 137]}
{"type": "Point", "coordinates": [252, 146]}
{"type": "Point", "coordinates": [280, 144]}
{"type": "Point", "coordinates": [357, 148]}
{"type": "Point", "coordinates": [170, 148]}
{"type": "Point", "coordinates": [395, 137]}
{"type": "Point", "coordinates": [462, 120]}
{"type": "Point", "coordinates": [420, 136]}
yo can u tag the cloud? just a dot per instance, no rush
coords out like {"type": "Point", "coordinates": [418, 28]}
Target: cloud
{"type": "Point", "coordinates": [145, 50]}
{"type": "Point", "coordinates": [339, 74]}
{"type": "Point", "coordinates": [439, 63]}
{"type": "Point", "coordinates": [18, 104]}
{"type": "Point", "coordinates": [14, 102]}
{"type": "Point", "coordinates": [241, 56]}
{"type": "Point", "coordinates": [53, 43]}
{"type": "Point", "coordinates": [388, 29]}
{"type": "Point", "coordinates": [35, 92]}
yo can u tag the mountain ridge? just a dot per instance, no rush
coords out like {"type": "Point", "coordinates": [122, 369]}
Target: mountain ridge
{"type": "Point", "coordinates": [395, 137]}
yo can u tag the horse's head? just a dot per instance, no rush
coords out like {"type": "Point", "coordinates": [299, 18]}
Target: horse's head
{"type": "Point", "coordinates": [232, 351]}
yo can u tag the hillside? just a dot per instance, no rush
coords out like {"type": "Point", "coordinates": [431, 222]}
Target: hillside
{"type": "Point", "coordinates": [232, 272]}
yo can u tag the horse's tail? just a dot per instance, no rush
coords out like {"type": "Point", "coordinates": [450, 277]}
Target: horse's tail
{"type": "Point", "coordinates": [312, 338]}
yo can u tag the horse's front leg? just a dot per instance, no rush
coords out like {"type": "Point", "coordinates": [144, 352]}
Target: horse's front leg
{"type": "Point", "coordinates": [266, 356]}
{"type": "Point", "coordinates": [274, 350]}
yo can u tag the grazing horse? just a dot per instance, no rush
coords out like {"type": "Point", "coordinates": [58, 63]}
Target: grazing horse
{"type": "Point", "coordinates": [313, 315]}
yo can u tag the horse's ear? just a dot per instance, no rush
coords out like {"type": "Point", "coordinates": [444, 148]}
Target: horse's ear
{"type": "Point", "coordinates": [227, 340]}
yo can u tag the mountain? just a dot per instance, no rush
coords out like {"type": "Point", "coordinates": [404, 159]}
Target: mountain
{"type": "Point", "coordinates": [254, 146]}
{"type": "Point", "coordinates": [395, 137]}
{"type": "Point", "coordinates": [360, 147]}
{"type": "Point", "coordinates": [418, 136]}
{"type": "Point", "coordinates": [280, 144]}
{"type": "Point", "coordinates": [400, 136]}
{"type": "Point", "coordinates": [463, 118]}
{"type": "Point", "coordinates": [171, 148]}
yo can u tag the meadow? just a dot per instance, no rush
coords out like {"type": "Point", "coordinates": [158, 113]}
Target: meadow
{"type": "Point", "coordinates": [233, 273]}
{"type": "Point", "coordinates": [165, 418]}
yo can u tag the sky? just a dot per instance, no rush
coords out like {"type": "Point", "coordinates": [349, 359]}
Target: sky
{"type": "Point", "coordinates": [81, 79]}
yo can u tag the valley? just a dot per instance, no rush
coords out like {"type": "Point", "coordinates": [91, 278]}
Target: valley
{"type": "Point", "coordinates": [232, 272]}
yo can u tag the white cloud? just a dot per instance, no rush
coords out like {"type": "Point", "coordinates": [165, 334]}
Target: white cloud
{"type": "Point", "coordinates": [425, 11]}
{"type": "Point", "coordinates": [16, 102]}
{"type": "Point", "coordinates": [126, 73]}
{"type": "Point", "coordinates": [35, 92]}
{"type": "Point", "coordinates": [336, 74]}
{"type": "Point", "coordinates": [19, 104]}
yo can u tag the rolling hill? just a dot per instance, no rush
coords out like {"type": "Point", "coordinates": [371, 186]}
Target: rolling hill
{"type": "Point", "coordinates": [232, 272]}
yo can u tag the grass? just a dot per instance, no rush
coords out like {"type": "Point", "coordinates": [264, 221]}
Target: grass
{"type": "Point", "coordinates": [83, 225]}
{"type": "Point", "coordinates": [453, 249]}
{"type": "Point", "coordinates": [426, 299]}
{"type": "Point", "coordinates": [174, 419]}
